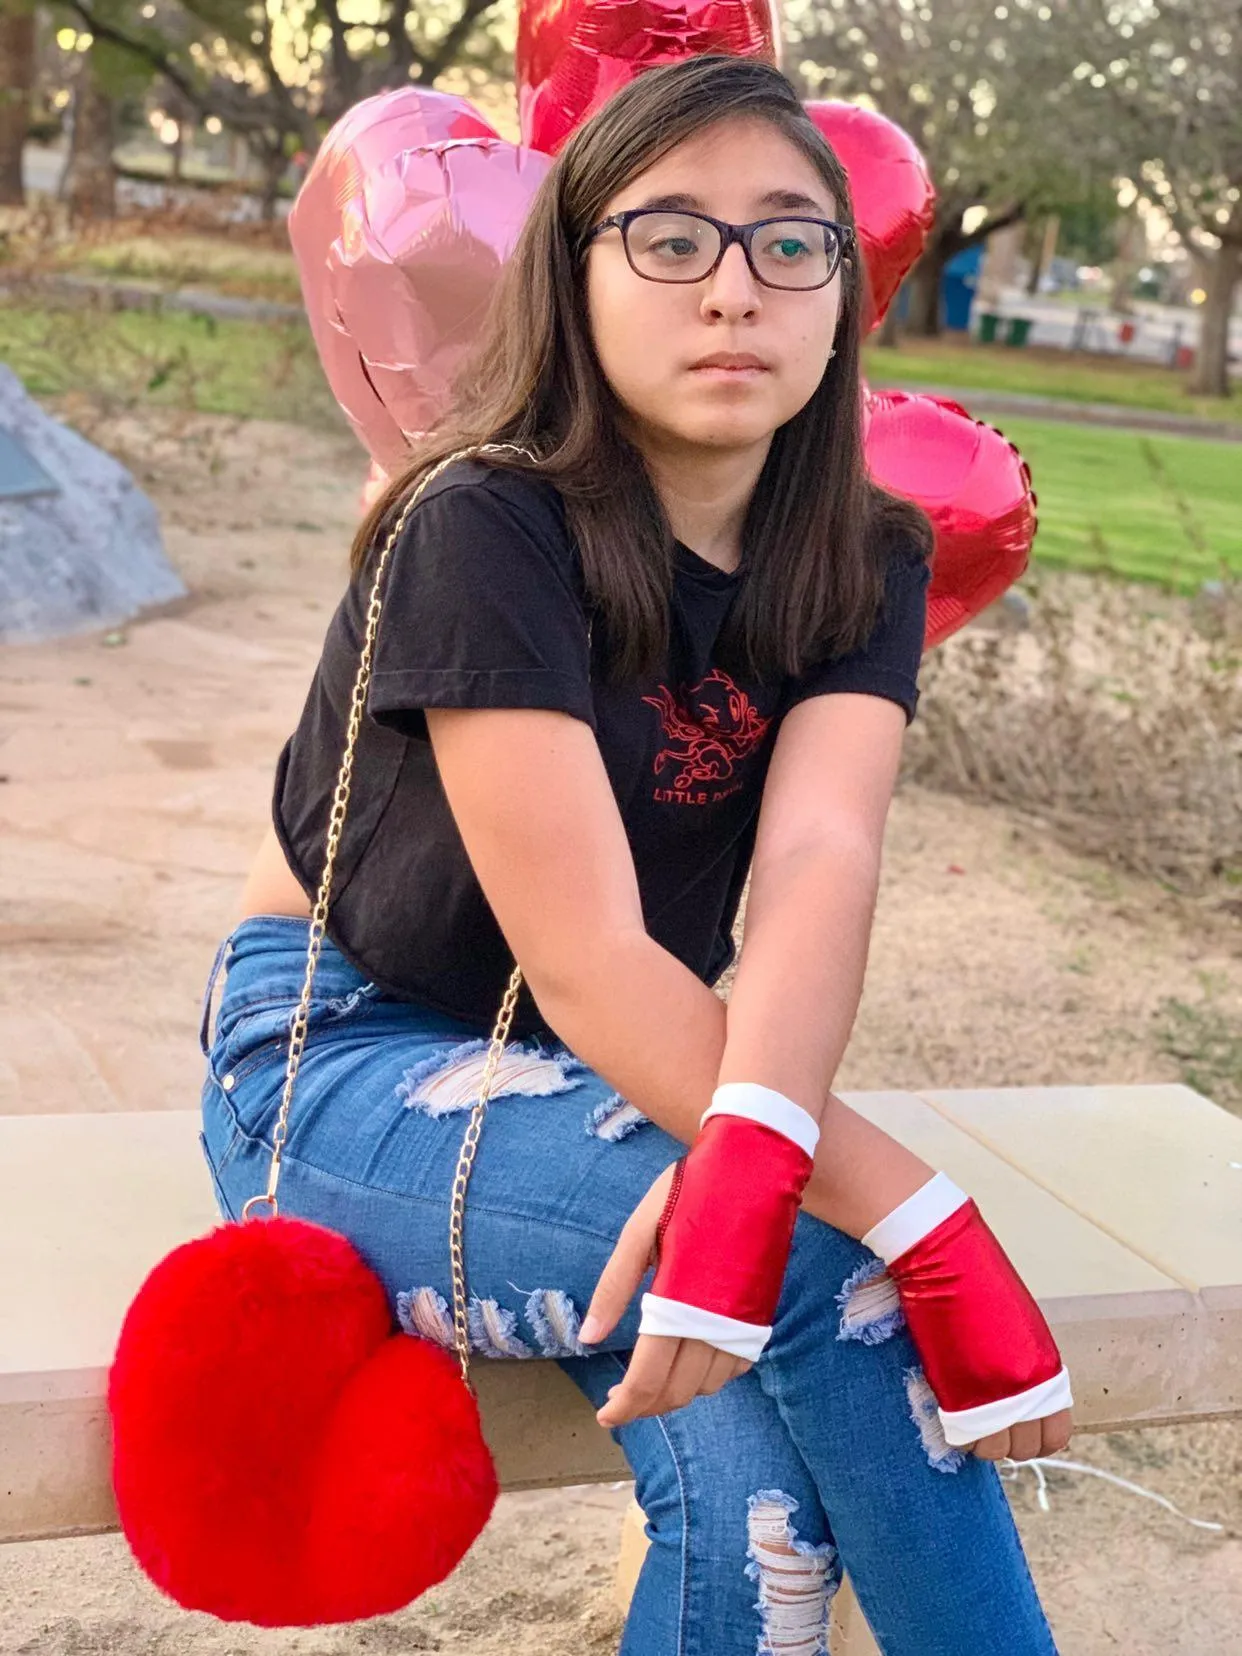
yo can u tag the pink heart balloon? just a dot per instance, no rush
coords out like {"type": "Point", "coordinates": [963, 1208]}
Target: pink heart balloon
{"type": "Point", "coordinates": [411, 207]}
{"type": "Point", "coordinates": [572, 55]}
{"type": "Point", "coordinates": [894, 197]}
{"type": "Point", "coordinates": [972, 483]}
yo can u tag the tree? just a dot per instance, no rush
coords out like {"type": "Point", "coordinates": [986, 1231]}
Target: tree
{"type": "Point", "coordinates": [280, 72]}
{"type": "Point", "coordinates": [88, 184]}
{"type": "Point", "coordinates": [966, 79]}
{"type": "Point", "coordinates": [17, 67]}
{"type": "Point", "coordinates": [1168, 73]}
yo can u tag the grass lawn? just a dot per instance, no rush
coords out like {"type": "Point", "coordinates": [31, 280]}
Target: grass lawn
{"type": "Point", "coordinates": [258, 370]}
{"type": "Point", "coordinates": [1071, 376]}
{"type": "Point", "coordinates": [174, 261]}
{"type": "Point", "coordinates": [1147, 507]}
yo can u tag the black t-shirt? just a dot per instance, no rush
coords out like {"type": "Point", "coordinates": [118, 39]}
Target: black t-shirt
{"type": "Point", "coordinates": [484, 607]}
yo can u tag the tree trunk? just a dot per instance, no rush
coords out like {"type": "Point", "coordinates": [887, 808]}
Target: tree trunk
{"type": "Point", "coordinates": [1045, 248]}
{"type": "Point", "coordinates": [89, 184]}
{"type": "Point", "coordinates": [1222, 270]}
{"type": "Point", "coordinates": [1131, 254]}
{"type": "Point", "coordinates": [274, 164]}
{"type": "Point", "coordinates": [889, 333]}
{"type": "Point", "coordinates": [17, 63]}
{"type": "Point", "coordinates": [923, 320]}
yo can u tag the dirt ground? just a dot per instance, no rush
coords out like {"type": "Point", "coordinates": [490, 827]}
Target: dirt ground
{"type": "Point", "coordinates": [135, 771]}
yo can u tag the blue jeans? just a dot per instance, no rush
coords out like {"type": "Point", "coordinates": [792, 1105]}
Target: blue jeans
{"type": "Point", "coordinates": [825, 1453]}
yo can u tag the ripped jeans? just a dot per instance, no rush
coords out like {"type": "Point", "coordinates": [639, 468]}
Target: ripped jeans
{"type": "Point", "coordinates": [825, 1453]}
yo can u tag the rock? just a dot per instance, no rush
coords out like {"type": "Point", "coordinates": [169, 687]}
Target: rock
{"type": "Point", "coordinates": [1209, 608]}
{"type": "Point", "coordinates": [80, 547]}
{"type": "Point", "coordinates": [1011, 612]}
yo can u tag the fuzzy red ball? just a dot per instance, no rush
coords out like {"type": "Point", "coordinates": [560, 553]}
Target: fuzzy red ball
{"type": "Point", "coordinates": [280, 1456]}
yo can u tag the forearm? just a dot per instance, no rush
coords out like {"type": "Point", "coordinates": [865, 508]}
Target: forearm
{"type": "Point", "coordinates": [800, 978]}
{"type": "Point", "coordinates": [657, 1034]}
{"type": "Point", "coordinates": [792, 1009]}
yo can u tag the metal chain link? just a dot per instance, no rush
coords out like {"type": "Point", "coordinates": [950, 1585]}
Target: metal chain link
{"type": "Point", "coordinates": [319, 924]}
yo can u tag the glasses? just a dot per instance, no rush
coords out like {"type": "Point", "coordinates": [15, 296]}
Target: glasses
{"type": "Point", "coordinates": [666, 246]}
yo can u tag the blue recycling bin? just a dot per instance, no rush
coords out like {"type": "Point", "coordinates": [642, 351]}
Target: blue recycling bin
{"type": "Point", "coordinates": [957, 287]}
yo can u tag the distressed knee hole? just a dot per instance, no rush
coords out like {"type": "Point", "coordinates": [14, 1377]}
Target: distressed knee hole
{"type": "Point", "coordinates": [613, 1118]}
{"type": "Point", "coordinates": [449, 1082]}
{"type": "Point", "coordinates": [926, 1416]}
{"type": "Point", "coordinates": [870, 1309]}
{"type": "Point", "coordinates": [797, 1579]}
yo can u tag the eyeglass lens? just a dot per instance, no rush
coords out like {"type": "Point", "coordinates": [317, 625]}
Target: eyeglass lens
{"type": "Point", "coordinates": [678, 247]}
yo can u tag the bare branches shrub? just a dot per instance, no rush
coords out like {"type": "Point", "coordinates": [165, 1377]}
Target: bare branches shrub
{"type": "Point", "coordinates": [1115, 716]}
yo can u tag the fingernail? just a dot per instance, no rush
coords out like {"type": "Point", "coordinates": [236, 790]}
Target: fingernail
{"type": "Point", "coordinates": [591, 1330]}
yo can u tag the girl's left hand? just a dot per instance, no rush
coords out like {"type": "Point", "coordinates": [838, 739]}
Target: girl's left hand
{"type": "Point", "coordinates": [663, 1373]}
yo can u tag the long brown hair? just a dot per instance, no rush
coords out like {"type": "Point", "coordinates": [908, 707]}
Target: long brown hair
{"type": "Point", "coordinates": [817, 530]}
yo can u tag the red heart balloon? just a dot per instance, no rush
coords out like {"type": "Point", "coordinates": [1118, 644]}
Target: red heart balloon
{"type": "Point", "coordinates": [412, 205]}
{"type": "Point", "coordinates": [280, 1456]}
{"type": "Point", "coordinates": [894, 197]}
{"type": "Point", "coordinates": [572, 55]}
{"type": "Point", "coordinates": [972, 483]}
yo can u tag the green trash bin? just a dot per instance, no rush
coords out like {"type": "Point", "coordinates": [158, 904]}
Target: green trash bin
{"type": "Point", "coordinates": [988, 323]}
{"type": "Point", "coordinates": [1019, 330]}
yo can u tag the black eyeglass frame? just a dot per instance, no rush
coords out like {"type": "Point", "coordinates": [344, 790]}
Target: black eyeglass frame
{"type": "Point", "coordinates": [729, 233]}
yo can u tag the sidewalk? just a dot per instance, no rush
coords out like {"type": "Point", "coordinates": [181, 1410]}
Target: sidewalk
{"type": "Point", "coordinates": [1118, 415]}
{"type": "Point", "coordinates": [140, 293]}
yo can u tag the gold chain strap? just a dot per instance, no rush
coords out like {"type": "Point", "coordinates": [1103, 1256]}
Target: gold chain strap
{"type": "Point", "coordinates": [319, 924]}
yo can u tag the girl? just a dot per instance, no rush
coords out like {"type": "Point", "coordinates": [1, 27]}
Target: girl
{"type": "Point", "coordinates": [669, 635]}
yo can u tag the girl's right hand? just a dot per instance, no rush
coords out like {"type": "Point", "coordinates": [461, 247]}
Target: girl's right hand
{"type": "Point", "coordinates": [663, 1373]}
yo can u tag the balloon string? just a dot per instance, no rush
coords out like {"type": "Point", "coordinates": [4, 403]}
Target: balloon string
{"type": "Point", "coordinates": [1041, 1468]}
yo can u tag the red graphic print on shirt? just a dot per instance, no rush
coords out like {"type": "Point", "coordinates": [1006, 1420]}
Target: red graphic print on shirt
{"type": "Point", "coordinates": [709, 728]}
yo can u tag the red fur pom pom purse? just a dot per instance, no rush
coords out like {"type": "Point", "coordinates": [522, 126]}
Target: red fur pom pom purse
{"type": "Point", "coordinates": [280, 1455]}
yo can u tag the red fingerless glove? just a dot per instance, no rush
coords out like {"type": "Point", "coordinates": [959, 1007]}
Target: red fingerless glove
{"type": "Point", "coordinates": [987, 1351]}
{"type": "Point", "coordinates": [724, 1236]}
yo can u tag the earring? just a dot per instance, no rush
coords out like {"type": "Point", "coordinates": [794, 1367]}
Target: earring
{"type": "Point", "coordinates": [832, 352]}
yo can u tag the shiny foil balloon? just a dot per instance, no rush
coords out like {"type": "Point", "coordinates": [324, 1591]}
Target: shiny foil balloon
{"type": "Point", "coordinates": [572, 55]}
{"type": "Point", "coordinates": [894, 198]}
{"type": "Point", "coordinates": [412, 205]}
{"type": "Point", "coordinates": [972, 483]}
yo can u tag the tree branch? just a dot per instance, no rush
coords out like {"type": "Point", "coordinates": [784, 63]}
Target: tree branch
{"type": "Point", "coordinates": [1013, 214]}
{"type": "Point", "coordinates": [343, 67]}
{"type": "Point", "coordinates": [146, 53]}
{"type": "Point", "coordinates": [434, 63]}
{"type": "Point", "coordinates": [244, 111]}
{"type": "Point", "coordinates": [403, 53]}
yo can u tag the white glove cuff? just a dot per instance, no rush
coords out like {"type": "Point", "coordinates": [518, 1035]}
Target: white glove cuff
{"type": "Point", "coordinates": [768, 1107]}
{"type": "Point", "coordinates": [962, 1427]}
{"type": "Point", "coordinates": [691, 1322]}
{"type": "Point", "coordinates": [916, 1218]}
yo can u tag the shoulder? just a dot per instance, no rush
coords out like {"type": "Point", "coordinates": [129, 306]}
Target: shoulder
{"type": "Point", "coordinates": [474, 529]}
{"type": "Point", "coordinates": [903, 541]}
{"type": "Point", "coordinates": [474, 489]}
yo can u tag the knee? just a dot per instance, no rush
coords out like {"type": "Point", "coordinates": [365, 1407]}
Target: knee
{"type": "Point", "coordinates": [840, 1308]}
{"type": "Point", "coordinates": [796, 1579]}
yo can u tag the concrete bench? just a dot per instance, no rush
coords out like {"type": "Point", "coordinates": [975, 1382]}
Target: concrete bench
{"type": "Point", "coordinates": [1120, 1205]}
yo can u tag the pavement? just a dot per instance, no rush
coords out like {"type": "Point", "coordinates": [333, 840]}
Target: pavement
{"type": "Point", "coordinates": [1118, 415]}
